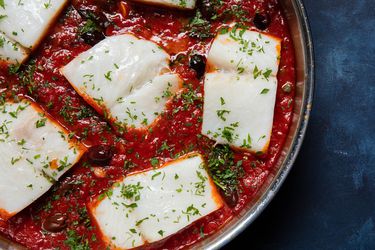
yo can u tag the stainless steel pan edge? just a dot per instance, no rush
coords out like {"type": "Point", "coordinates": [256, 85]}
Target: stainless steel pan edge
{"type": "Point", "coordinates": [300, 31]}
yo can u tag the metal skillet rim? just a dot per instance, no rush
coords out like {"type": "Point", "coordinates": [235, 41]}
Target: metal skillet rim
{"type": "Point", "coordinates": [220, 239]}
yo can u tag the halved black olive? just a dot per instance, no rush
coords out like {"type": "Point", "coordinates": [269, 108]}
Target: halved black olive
{"type": "Point", "coordinates": [92, 37]}
{"type": "Point", "coordinates": [100, 154]}
{"type": "Point", "coordinates": [207, 8]}
{"type": "Point", "coordinates": [262, 21]}
{"type": "Point", "coordinates": [198, 63]}
{"type": "Point", "coordinates": [230, 197]}
{"type": "Point", "coordinates": [92, 29]}
{"type": "Point", "coordinates": [55, 223]}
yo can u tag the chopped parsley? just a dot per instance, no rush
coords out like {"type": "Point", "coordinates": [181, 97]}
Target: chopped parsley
{"type": "Point", "coordinates": [246, 142]}
{"type": "Point", "coordinates": [131, 191]}
{"type": "Point", "coordinates": [139, 222]}
{"type": "Point", "coordinates": [220, 113]}
{"type": "Point", "coordinates": [108, 75]}
{"type": "Point", "coordinates": [191, 211]}
{"type": "Point", "coordinates": [224, 170]}
{"type": "Point", "coordinates": [199, 27]}
{"type": "Point", "coordinates": [76, 242]}
{"type": "Point", "coordinates": [47, 5]}
{"type": "Point", "coordinates": [155, 175]}
{"type": "Point", "coordinates": [200, 185]}
{"type": "Point", "coordinates": [89, 27]}
{"type": "Point", "coordinates": [154, 162]}
{"type": "Point", "coordinates": [40, 123]}
{"type": "Point", "coordinates": [267, 74]}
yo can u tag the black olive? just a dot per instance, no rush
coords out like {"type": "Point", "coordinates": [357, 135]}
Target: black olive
{"type": "Point", "coordinates": [207, 8]}
{"type": "Point", "coordinates": [230, 197]}
{"type": "Point", "coordinates": [92, 37]}
{"type": "Point", "coordinates": [100, 154]}
{"type": "Point", "coordinates": [92, 30]}
{"type": "Point", "coordinates": [261, 21]}
{"type": "Point", "coordinates": [198, 63]}
{"type": "Point", "coordinates": [105, 5]}
{"type": "Point", "coordinates": [55, 223]}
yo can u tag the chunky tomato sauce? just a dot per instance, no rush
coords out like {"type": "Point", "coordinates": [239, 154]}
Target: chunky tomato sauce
{"type": "Point", "coordinates": [176, 132]}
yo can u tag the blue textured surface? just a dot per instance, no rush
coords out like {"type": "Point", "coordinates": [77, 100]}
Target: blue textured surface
{"type": "Point", "coordinates": [328, 200]}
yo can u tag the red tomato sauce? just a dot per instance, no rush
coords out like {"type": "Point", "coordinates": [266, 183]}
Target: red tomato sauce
{"type": "Point", "coordinates": [178, 127]}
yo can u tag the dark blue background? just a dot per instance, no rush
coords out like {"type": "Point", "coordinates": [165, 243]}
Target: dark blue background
{"type": "Point", "coordinates": [328, 200]}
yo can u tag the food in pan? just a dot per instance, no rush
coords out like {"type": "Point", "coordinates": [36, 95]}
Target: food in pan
{"type": "Point", "coordinates": [138, 124]}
